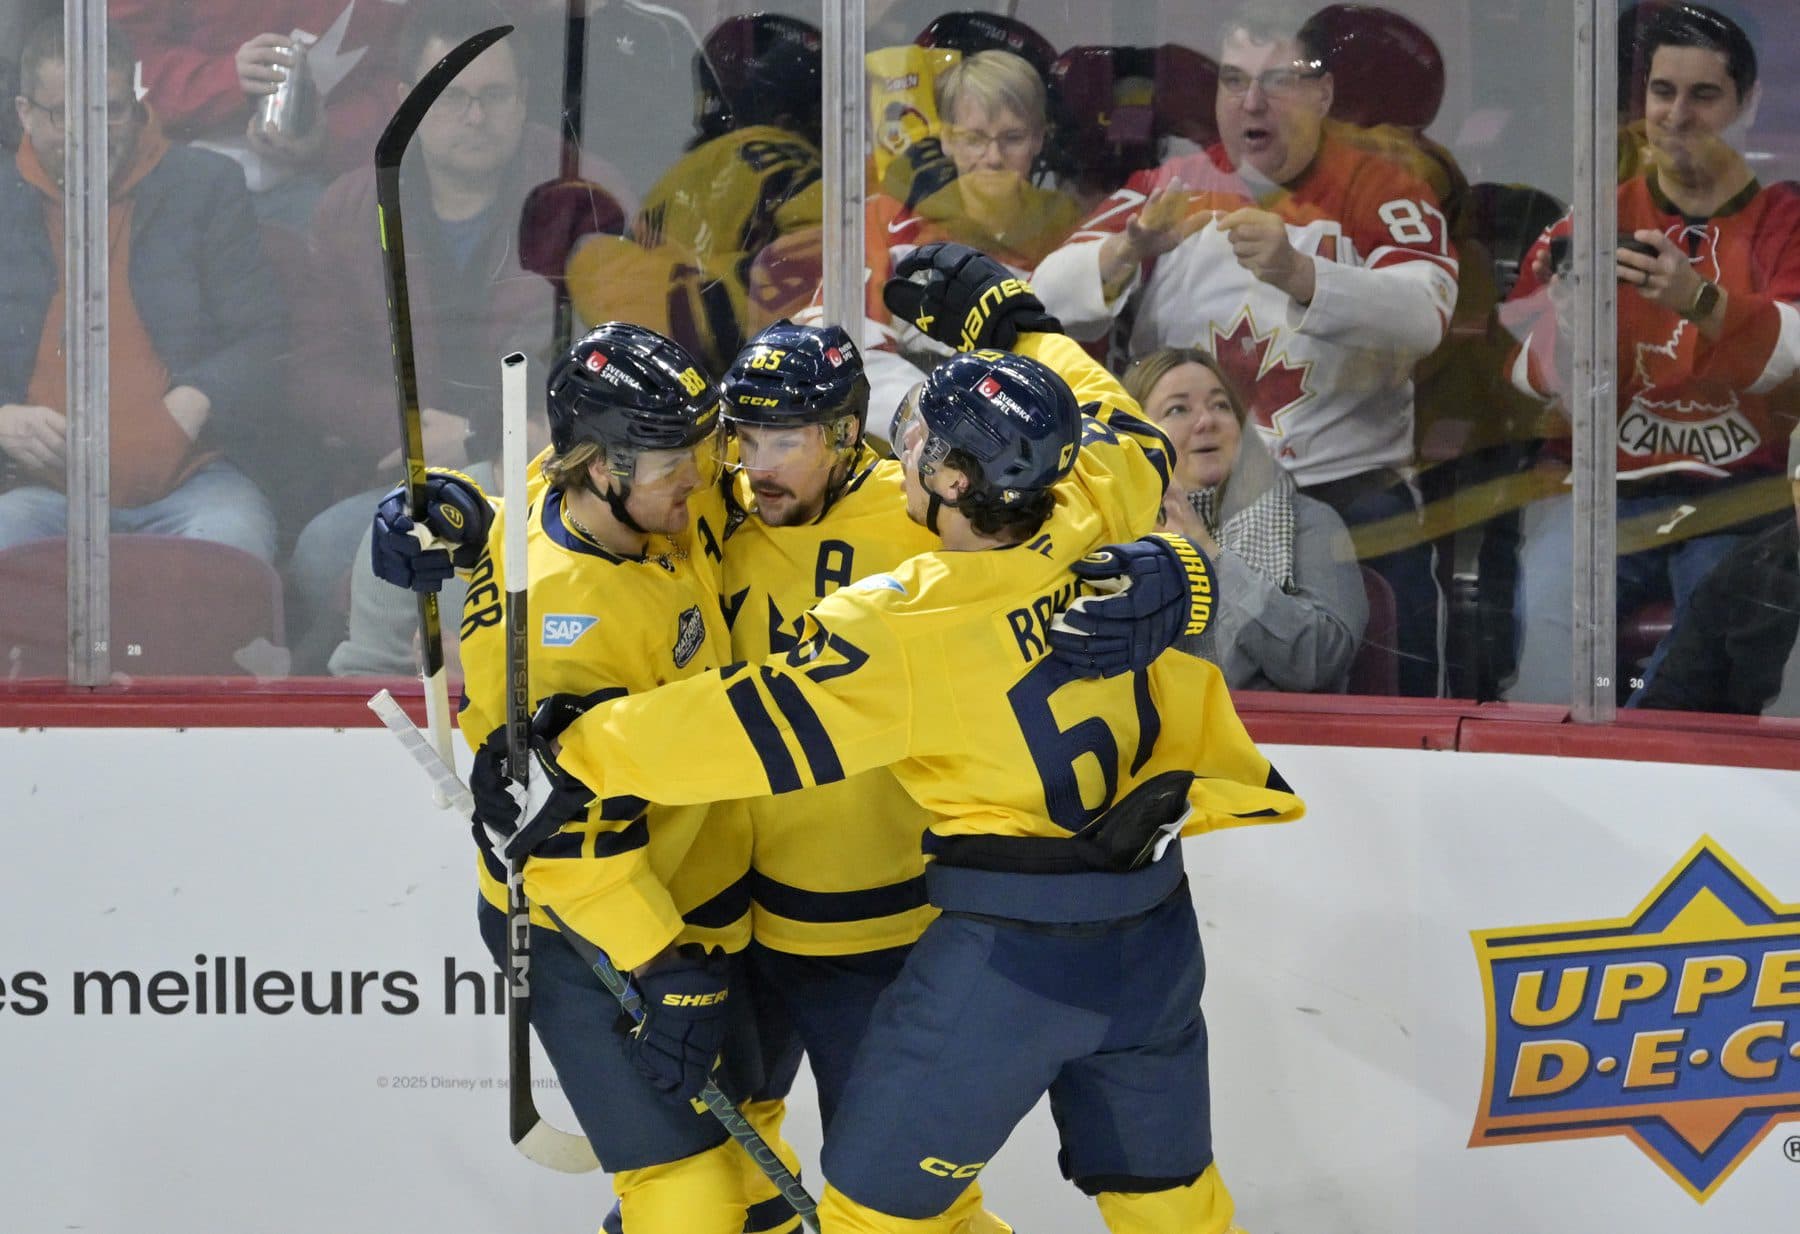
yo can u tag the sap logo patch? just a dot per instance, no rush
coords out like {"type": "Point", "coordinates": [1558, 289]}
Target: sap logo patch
{"type": "Point", "coordinates": [1675, 1027]}
{"type": "Point", "coordinates": [878, 582]}
{"type": "Point", "coordinates": [564, 629]}
{"type": "Point", "coordinates": [690, 632]}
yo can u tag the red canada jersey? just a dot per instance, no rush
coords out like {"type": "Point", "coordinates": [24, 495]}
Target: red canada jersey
{"type": "Point", "coordinates": [1687, 407]}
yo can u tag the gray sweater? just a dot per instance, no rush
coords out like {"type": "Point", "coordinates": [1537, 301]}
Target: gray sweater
{"type": "Point", "coordinates": [1263, 638]}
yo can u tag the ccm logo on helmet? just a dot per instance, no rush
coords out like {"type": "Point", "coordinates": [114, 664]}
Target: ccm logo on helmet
{"type": "Point", "coordinates": [694, 1000]}
{"type": "Point", "coordinates": [949, 1169]}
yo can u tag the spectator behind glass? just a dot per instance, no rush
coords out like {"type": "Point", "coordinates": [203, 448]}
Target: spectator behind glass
{"type": "Point", "coordinates": [207, 66]}
{"type": "Point", "coordinates": [995, 125]}
{"type": "Point", "coordinates": [1318, 271]}
{"type": "Point", "coordinates": [753, 175]}
{"type": "Point", "coordinates": [192, 319]}
{"type": "Point", "coordinates": [1735, 648]}
{"type": "Point", "coordinates": [1291, 605]}
{"type": "Point", "coordinates": [471, 304]}
{"type": "Point", "coordinates": [1704, 325]}
{"type": "Point", "coordinates": [995, 119]}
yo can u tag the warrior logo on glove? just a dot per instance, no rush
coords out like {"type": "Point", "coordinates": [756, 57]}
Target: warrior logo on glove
{"type": "Point", "coordinates": [1199, 578]}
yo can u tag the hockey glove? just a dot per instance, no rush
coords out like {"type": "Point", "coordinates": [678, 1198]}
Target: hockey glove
{"type": "Point", "coordinates": [557, 216]}
{"type": "Point", "coordinates": [683, 1027]}
{"type": "Point", "coordinates": [554, 797]}
{"type": "Point", "coordinates": [965, 299]}
{"type": "Point", "coordinates": [457, 519]}
{"type": "Point", "coordinates": [1143, 597]}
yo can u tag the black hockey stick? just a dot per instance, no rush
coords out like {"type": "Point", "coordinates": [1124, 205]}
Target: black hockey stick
{"type": "Point", "coordinates": [530, 1134]}
{"type": "Point", "coordinates": [712, 1096]}
{"type": "Point", "coordinates": [390, 149]}
{"type": "Point", "coordinates": [619, 985]}
{"type": "Point", "coordinates": [574, 79]}
{"type": "Point", "coordinates": [558, 214]}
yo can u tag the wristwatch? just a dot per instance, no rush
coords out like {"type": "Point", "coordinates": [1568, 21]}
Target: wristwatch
{"type": "Point", "coordinates": [1705, 301]}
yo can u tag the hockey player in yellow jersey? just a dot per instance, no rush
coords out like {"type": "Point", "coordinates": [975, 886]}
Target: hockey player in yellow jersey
{"type": "Point", "coordinates": [1066, 957]}
{"type": "Point", "coordinates": [620, 602]}
{"type": "Point", "coordinates": [809, 508]}
{"type": "Point", "coordinates": [752, 176]}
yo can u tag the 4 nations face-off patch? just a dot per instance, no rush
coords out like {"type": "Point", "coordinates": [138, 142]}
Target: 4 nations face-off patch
{"type": "Point", "coordinates": [1677, 1027]}
{"type": "Point", "coordinates": [690, 632]}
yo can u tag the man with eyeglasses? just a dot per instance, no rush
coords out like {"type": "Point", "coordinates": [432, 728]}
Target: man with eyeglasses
{"type": "Point", "coordinates": [191, 321]}
{"type": "Point", "coordinates": [1319, 272]}
{"type": "Point", "coordinates": [472, 302]}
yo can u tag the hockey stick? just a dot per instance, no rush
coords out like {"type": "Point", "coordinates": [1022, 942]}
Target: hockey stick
{"type": "Point", "coordinates": [542, 1143]}
{"type": "Point", "coordinates": [389, 150]}
{"type": "Point", "coordinates": [714, 1098]}
{"type": "Point", "coordinates": [530, 1134]}
{"type": "Point", "coordinates": [574, 78]}
{"type": "Point", "coordinates": [446, 785]}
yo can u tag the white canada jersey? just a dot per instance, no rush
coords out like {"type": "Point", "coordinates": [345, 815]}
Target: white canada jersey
{"type": "Point", "coordinates": [1329, 384]}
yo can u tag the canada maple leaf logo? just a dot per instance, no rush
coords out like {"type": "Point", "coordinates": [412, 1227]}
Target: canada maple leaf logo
{"type": "Point", "coordinates": [1268, 385]}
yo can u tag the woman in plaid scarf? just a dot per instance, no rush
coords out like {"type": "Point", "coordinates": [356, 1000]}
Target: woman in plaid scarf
{"type": "Point", "coordinates": [1291, 602]}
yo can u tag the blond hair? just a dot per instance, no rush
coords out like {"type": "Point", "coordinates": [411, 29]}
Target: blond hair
{"type": "Point", "coordinates": [569, 469]}
{"type": "Point", "coordinates": [995, 80]}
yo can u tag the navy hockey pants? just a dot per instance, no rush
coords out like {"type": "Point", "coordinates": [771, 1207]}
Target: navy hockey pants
{"type": "Point", "coordinates": [630, 1124]}
{"type": "Point", "coordinates": [819, 1004]}
{"type": "Point", "coordinates": [989, 1015]}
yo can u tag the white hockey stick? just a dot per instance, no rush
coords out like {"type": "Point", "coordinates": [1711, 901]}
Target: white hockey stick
{"type": "Point", "coordinates": [547, 1145]}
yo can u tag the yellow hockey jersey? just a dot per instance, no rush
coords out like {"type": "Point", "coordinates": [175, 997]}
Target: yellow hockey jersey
{"type": "Point", "coordinates": [940, 668]}
{"type": "Point", "coordinates": [811, 892]}
{"type": "Point", "coordinates": [630, 878]}
{"type": "Point", "coordinates": [685, 269]}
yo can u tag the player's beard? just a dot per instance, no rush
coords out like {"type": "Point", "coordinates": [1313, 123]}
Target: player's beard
{"type": "Point", "coordinates": [779, 506]}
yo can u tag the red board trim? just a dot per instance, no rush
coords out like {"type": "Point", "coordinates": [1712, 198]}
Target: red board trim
{"type": "Point", "coordinates": [1276, 719]}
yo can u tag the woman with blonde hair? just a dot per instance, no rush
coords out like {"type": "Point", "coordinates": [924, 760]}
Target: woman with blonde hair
{"type": "Point", "coordinates": [1291, 607]}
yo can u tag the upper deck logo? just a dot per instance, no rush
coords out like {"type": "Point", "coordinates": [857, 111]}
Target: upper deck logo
{"type": "Point", "coordinates": [1677, 1027]}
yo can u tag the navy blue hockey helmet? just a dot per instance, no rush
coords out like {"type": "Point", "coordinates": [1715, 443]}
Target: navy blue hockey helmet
{"type": "Point", "coordinates": [627, 389]}
{"type": "Point", "coordinates": [759, 68]}
{"type": "Point", "coordinates": [1014, 421]}
{"type": "Point", "coordinates": [790, 375]}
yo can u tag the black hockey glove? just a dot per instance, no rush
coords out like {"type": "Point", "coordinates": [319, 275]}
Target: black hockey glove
{"type": "Point", "coordinates": [555, 797]}
{"type": "Point", "coordinates": [457, 519]}
{"type": "Point", "coordinates": [1144, 596]}
{"type": "Point", "coordinates": [965, 299]}
{"type": "Point", "coordinates": [683, 1027]}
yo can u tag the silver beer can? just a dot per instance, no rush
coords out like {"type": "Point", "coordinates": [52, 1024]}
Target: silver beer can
{"type": "Point", "coordinates": [288, 112]}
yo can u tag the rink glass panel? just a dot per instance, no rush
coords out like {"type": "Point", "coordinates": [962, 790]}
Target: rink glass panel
{"type": "Point", "coordinates": [1485, 107]}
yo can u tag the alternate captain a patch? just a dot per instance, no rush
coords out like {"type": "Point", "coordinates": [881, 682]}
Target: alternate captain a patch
{"type": "Point", "coordinates": [690, 632]}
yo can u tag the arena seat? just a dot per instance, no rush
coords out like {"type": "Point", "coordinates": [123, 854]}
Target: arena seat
{"type": "Point", "coordinates": [1376, 668]}
{"type": "Point", "coordinates": [180, 607]}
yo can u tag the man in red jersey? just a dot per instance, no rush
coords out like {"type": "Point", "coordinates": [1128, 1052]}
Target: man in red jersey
{"type": "Point", "coordinates": [1312, 258]}
{"type": "Point", "coordinates": [1706, 316]}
